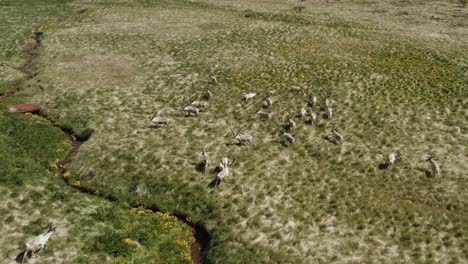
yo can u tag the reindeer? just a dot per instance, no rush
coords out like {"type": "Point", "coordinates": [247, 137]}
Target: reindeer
{"type": "Point", "coordinates": [392, 157]}
{"type": "Point", "coordinates": [241, 138]}
{"type": "Point", "coordinates": [329, 112]}
{"type": "Point", "coordinates": [209, 95]}
{"type": "Point", "coordinates": [328, 103]}
{"type": "Point", "coordinates": [435, 169]}
{"type": "Point", "coordinates": [267, 102]}
{"type": "Point", "coordinates": [249, 96]}
{"type": "Point", "coordinates": [206, 161]}
{"type": "Point", "coordinates": [291, 124]}
{"type": "Point", "coordinates": [264, 115]}
{"type": "Point", "coordinates": [313, 118]}
{"type": "Point", "coordinates": [225, 162]}
{"type": "Point", "coordinates": [200, 104]}
{"type": "Point", "coordinates": [296, 89]}
{"type": "Point", "coordinates": [158, 121]}
{"type": "Point", "coordinates": [191, 110]}
{"type": "Point", "coordinates": [302, 113]}
{"type": "Point", "coordinates": [313, 100]}
{"type": "Point", "coordinates": [213, 79]}
{"type": "Point", "coordinates": [37, 244]}
{"type": "Point", "coordinates": [338, 137]}
{"type": "Point", "coordinates": [223, 170]}
{"type": "Point", "coordinates": [288, 138]}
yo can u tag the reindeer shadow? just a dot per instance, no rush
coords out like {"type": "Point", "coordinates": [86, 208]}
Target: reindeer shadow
{"type": "Point", "coordinates": [310, 122]}
{"type": "Point", "coordinates": [200, 167]}
{"type": "Point", "coordinates": [287, 128]}
{"type": "Point", "coordinates": [22, 256]}
{"type": "Point", "coordinates": [426, 172]}
{"type": "Point", "coordinates": [214, 183]}
{"type": "Point", "coordinates": [309, 104]}
{"type": "Point", "coordinates": [383, 166]}
{"type": "Point", "coordinates": [228, 144]}
{"type": "Point", "coordinates": [331, 139]}
{"type": "Point", "coordinates": [283, 143]}
{"type": "Point", "coordinates": [154, 126]}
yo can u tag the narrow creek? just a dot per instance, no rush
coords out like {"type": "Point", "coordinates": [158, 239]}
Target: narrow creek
{"type": "Point", "coordinates": [201, 236]}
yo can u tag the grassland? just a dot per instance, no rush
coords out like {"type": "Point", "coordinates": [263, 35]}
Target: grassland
{"type": "Point", "coordinates": [396, 71]}
{"type": "Point", "coordinates": [89, 229]}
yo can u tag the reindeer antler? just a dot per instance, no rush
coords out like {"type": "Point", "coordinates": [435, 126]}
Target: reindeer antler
{"type": "Point", "coordinates": [155, 113]}
{"type": "Point", "coordinates": [232, 131]}
{"type": "Point", "coordinates": [238, 131]}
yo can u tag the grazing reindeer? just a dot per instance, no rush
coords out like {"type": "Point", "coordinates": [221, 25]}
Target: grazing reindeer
{"type": "Point", "coordinates": [37, 244]}
{"type": "Point", "coordinates": [225, 162]}
{"type": "Point", "coordinates": [392, 157]}
{"type": "Point", "coordinates": [158, 121]}
{"type": "Point", "coordinates": [296, 89]}
{"type": "Point", "coordinates": [291, 124]}
{"type": "Point", "coordinates": [214, 80]}
{"type": "Point", "coordinates": [313, 100]}
{"type": "Point", "coordinates": [328, 103]}
{"type": "Point", "coordinates": [249, 96]}
{"type": "Point", "coordinates": [209, 95]}
{"type": "Point", "coordinates": [435, 169]}
{"type": "Point", "coordinates": [302, 113]}
{"type": "Point", "coordinates": [313, 118]}
{"type": "Point", "coordinates": [268, 102]}
{"type": "Point", "coordinates": [288, 138]}
{"type": "Point", "coordinates": [329, 112]}
{"type": "Point", "coordinates": [241, 138]}
{"type": "Point", "coordinates": [264, 115]}
{"type": "Point", "coordinates": [200, 104]}
{"type": "Point", "coordinates": [338, 137]}
{"type": "Point", "coordinates": [191, 110]}
{"type": "Point", "coordinates": [206, 161]}
{"type": "Point", "coordinates": [223, 170]}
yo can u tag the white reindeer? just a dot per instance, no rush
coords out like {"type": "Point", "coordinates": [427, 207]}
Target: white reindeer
{"type": "Point", "coordinates": [249, 96]}
{"type": "Point", "coordinates": [296, 89]}
{"type": "Point", "coordinates": [291, 123]}
{"type": "Point", "coordinates": [214, 80]}
{"type": "Point", "coordinates": [313, 100]}
{"type": "Point", "coordinates": [158, 121]}
{"type": "Point", "coordinates": [264, 115]}
{"type": "Point", "coordinates": [303, 113]}
{"type": "Point", "coordinates": [435, 169]}
{"type": "Point", "coordinates": [224, 173]}
{"type": "Point", "coordinates": [313, 118]}
{"type": "Point", "coordinates": [200, 104]}
{"type": "Point", "coordinates": [241, 138]}
{"type": "Point", "coordinates": [392, 157]}
{"type": "Point", "coordinates": [224, 170]}
{"type": "Point", "coordinates": [328, 103]}
{"type": "Point", "coordinates": [339, 137]}
{"type": "Point", "coordinates": [206, 161]}
{"type": "Point", "coordinates": [37, 244]}
{"type": "Point", "coordinates": [329, 112]}
{"type": "Point", "coordinates": [209, 95]}
{"type": "Point", "coordinates": [268, 102]}
{"type": "Point", "coordinates": [191, 110]}
{"type": "Point", "coordinates": [288, 138]}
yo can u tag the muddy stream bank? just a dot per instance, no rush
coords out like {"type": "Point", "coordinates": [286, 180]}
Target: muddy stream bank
{"type": "Point", "coordinates": [201, 236]}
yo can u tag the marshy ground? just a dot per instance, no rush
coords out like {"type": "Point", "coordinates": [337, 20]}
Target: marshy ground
{"type": "Point", "coordinates": [396, 72]}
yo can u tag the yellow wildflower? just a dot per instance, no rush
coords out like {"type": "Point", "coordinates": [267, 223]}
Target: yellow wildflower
{"type": "Point", "coordinates": [53, 165]}
{"type": "Point", "coordinates": [77, 184]}
{"type": "Point", "coordinates": [67, 174]}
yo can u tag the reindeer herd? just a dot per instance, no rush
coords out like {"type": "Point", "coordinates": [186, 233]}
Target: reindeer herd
{"type": "Point", "coordinates": [36, 245]}
{"type": "Point", "coordinates": [263, 114]}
